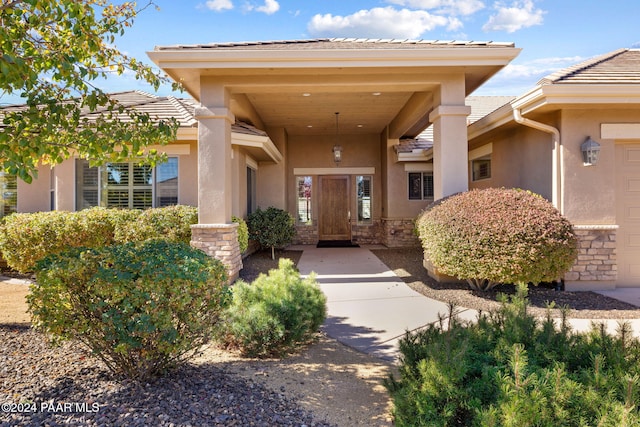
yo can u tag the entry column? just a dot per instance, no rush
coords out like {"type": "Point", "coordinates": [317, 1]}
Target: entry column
{"type": "Point", "coordinates": [215, 234]}
{"type": "Point", "coordinates": [450, 144]}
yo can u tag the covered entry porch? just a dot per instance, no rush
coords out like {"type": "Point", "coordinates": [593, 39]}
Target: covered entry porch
{"type": "Point", "coordinates": [385, 92]}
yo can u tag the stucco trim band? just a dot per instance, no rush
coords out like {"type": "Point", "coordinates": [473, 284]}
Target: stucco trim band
{"type": "Point", "coordinates": [334, 171]}
{"type": "Point", "coordinates": [620, 130]}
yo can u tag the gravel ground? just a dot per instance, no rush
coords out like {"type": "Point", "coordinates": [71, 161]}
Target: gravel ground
{"type": "Point", "coordinates": [65, 386]}
{"type": "Point", "coordinates": [407, 264]}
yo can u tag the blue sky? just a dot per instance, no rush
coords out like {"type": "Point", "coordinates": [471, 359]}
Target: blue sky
{"type": "Point", "coordinates": [553, 34]}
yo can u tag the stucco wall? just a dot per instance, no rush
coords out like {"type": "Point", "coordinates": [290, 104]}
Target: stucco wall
{"type": "Point", "coordinates": [36, 196]}
{"type": "Point", "coordinates": [271, 177]}
{"type": "Point", "coordinates": [521, 158]}
{"type": "Point", "coordinates": [589, 196]}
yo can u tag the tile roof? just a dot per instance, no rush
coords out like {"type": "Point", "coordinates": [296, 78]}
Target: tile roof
{"type": "Point", "coordinates": [339, 43]}
{"type": "Point", "coordinates": [480, 107]}
{"type": "Point", "coordinates": [621, 66]}
{"type": "Point", "coordinates": [159, 108]}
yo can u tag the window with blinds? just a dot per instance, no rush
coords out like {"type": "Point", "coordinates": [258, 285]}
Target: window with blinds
{"type": "Point", "coordinates": [9, 199]}
{"type": "Point", "coordinates": [420, 185]}
{"type": "Point", "coordinates": [364, 197]}
{"type": "Point", "coordinates": [126, 185]}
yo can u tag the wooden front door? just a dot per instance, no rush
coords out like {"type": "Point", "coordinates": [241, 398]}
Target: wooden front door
{"type": "Point", "coordinates": [334, 218]}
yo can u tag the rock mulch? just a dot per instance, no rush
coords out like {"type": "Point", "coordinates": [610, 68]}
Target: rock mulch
{"type": "Point", "coordinates": [65, 386]}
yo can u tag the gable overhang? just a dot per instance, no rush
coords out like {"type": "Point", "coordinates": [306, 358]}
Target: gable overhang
{"type": "Point", "coordinates": [548, 98]}
{"type": "Point", "coordinates": [301, 89]}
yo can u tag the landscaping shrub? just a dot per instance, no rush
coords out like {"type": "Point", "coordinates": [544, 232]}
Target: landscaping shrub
{"type": "Point", "coordinates": [243, 233]}
{"type": "Point", "coordinates": [510, 369]}
{"type": "Point", "coordinates": [271, 228]}
{"type": "Point", "coordinates": [273, 314]}
{"type": "Point", "coordinates": [140, 307]}
{"type": "Point", "coordinates": [172, 223]}
{"type": "Point", "coordinates": [26, 238]}
{"type": "Point", "coordinates": [496, 236]}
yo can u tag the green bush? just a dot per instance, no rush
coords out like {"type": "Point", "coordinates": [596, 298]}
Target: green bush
{"type": "Point", "coordinates": [172, 223]}
{"type": "Point", "coordinates": [496, 236]}
{"type": "Point", "coordinates": [273, 314]}
{"type": "Point", "coordinates": [271, 228]}
{"type": "Point", "coordinates": [140, 307]}
{"type": "Point", "coordinates": [243, 233]}
{"type": "Point", "coordinates": [511, 369]}
{"type": "Point", "coordinates": [26, 238]}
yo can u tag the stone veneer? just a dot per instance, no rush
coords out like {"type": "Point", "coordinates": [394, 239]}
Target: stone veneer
{"type": "Point", "coordinates": [398, 233]}
{"type": "Point", "coordinates": [597, 260]}
{"type": "Point", "coordinates": [219, 241]}
{"type": "Point", "coordinates": [306, 234]}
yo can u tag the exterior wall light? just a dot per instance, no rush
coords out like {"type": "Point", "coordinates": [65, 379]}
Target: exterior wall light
{"type": "Point", "coordinates": [590, 151]}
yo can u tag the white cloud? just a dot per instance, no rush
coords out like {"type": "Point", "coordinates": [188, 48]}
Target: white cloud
{"type": "Point", "coordinates": [521, 14]}
{"type": "Point", "coordinates": [380, 22]}
{"type": "Point", "coordinates": [448, 7]}
{"type": "Point", "coordinates": [219, 5]}
{"type": "Point", "coordinates": [270, 7]}
{"type": "Point", "coordinates": [517, 78]}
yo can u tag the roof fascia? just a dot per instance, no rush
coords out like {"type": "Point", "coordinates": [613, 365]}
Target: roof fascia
{"type": "Point", "coordinates": [262, 143]}
{"type": "Point", "coordinates": [262, 58]}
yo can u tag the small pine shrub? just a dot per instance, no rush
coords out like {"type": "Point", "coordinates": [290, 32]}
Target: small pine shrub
{"type": "Point", "coordinates": [496, 236]}
{"type": "Point", "coordinates": [140, 307]}
{"type": "Point", "coordinates": [274, 314]}
{"type": "Point", "coordinates": [243, 233]}
{"type": "Point", "coordinates": [172, 223]}
{"type": "Point", "coordinates": [511, 369]}
{"type": "Point", "coordinates": [271, 228]}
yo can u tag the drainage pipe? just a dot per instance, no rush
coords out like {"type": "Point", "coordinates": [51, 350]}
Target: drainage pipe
{"type": "Point", "coordinates": [556, 163]}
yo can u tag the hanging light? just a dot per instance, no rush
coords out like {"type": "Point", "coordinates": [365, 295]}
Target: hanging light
{"type": "Point", "coordinates": [590, 151]}
{"type": "Point", "coordinates": [337, 148]}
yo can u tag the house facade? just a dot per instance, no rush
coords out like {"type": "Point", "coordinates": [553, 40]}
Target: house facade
{"type": "Point", "coordinates": [540, 141]}
{"type": "Point", "coordinates": [333, 131]}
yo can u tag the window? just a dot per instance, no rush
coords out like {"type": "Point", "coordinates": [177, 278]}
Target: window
{"type": "Point", "coordinates": [303, 186]}
{"type": "Point", "coordinates": [364, 199]}
{"type": "Point", "coordinates": [126, 185]}
{"type": "Point", "coordinates": [420, 185]}
{"type": "Point", "coordinates": [9, 199]}
{"type": "Point", "coordinates": [481, 168]}
{"type": "Point", "coordinates": [167, 183]}
{"type": "Point", "coordinates": [251, 190]}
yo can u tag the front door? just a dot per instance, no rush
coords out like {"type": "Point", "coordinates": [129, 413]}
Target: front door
{"type": "Point", "coordinates": [335, 218]}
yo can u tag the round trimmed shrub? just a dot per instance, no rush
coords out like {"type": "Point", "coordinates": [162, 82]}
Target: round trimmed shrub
{"type": "Point", "coordinates": [271, 228]}
{"type": "Point", "coordinates": [496, 236]}
{"type": "Point", "coordinates": [274, 314]}
{"type": "Point", "coordinates": [140, 307]}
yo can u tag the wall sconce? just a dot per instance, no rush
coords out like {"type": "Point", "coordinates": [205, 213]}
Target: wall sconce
{"type": "Point", "coordinates": [590, 151]}
{"type": "Point", "coordinates": [337, 148]}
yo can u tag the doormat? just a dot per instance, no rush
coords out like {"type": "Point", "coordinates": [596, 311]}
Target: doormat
{"type": "Point", "coordinates": [336, 244]}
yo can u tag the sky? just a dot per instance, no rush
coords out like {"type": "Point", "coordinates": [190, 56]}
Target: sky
{"type": "Point", "coordinates": [552, 34]}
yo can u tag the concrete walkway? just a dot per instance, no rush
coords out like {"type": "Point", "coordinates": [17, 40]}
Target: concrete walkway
{"type": "Point", "coordinates": [370, 308]}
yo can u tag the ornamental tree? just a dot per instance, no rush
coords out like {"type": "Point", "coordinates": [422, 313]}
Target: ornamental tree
{"type": "Point", "coordinates": [53, 53]}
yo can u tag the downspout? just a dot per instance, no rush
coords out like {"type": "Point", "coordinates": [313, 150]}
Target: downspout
{"type": "Point", "coordinates": [556, 163]}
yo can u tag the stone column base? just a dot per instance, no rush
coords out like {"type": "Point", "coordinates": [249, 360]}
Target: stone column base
{"type": "Point", "coordinates": [597, 266]}
{"type": "Point", "coordinates": [219, 241]}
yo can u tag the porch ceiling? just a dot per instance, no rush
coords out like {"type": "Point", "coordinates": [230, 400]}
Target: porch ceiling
{"type": "Point", "coordinates": [300, 85]}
